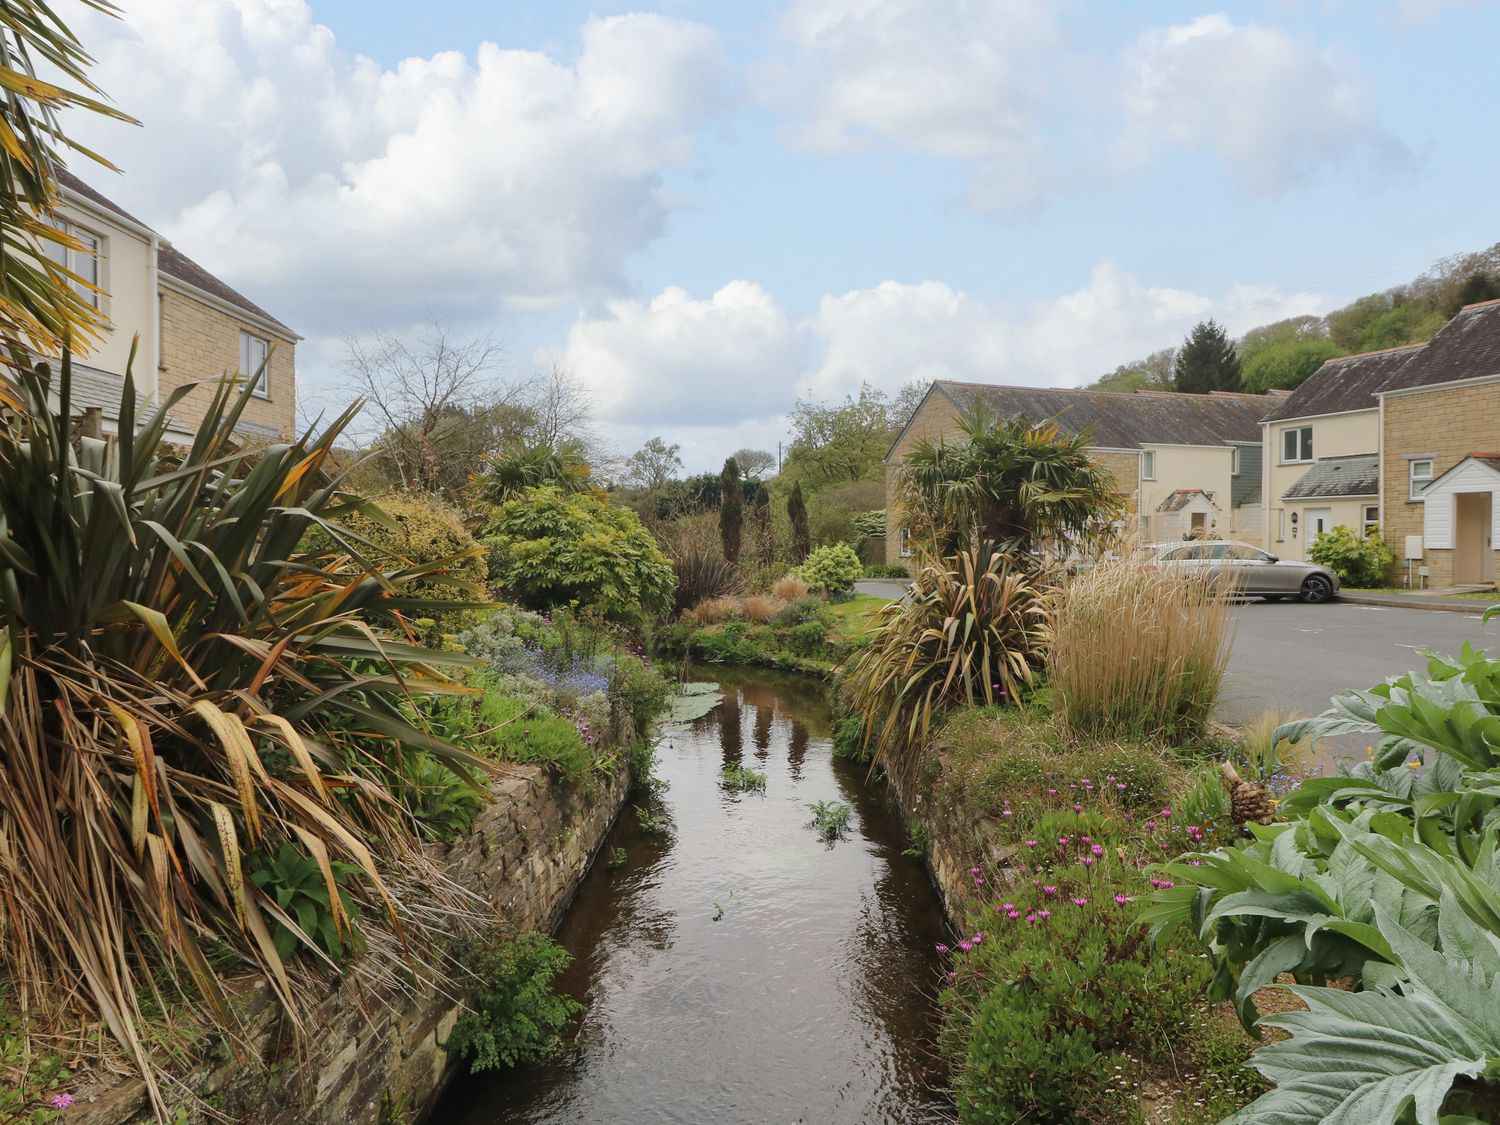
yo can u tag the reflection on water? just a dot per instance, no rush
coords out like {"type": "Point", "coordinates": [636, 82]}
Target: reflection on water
{"type": "Point", "coordinates": [809, 999]}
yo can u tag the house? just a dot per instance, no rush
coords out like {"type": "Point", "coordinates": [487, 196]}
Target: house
{"type": "Point", "coordinates": [185, 324]}
{"type": "Point", "coordinates": [1185, 464]}
{"type": "Point", "coordinates": [1440, 454]}
{"type": "Point", "coordinates": [1403, 439]}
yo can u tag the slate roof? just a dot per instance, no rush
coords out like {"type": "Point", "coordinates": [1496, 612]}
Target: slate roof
{"type": "Point", "coordinates": [1467, 347]}
{"type": "Point", "coordinates": [74, 184]}
{"type": "Point", "coordinates": [1123, 420]}
{"type": "Point", "coordinates": [1357, 474]}
{"type": "Point", "coordinates": [1348, 383]}
{"type": "Point", "coordinates": [175, 263]}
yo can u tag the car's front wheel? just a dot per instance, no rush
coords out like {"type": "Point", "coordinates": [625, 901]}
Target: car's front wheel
{"type": "Point", "coordinates": [1316, 589]}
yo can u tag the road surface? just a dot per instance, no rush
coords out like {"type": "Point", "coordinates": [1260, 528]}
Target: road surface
{"type": "Point", "coordinates": [1294, 657]}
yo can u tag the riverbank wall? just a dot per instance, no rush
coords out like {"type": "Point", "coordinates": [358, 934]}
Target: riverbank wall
{"type": "Point", "coordinates": [376, 1056]}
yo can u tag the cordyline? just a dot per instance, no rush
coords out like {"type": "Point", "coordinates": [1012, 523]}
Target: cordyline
{"type": "Point", "coordinates": [184, 690]}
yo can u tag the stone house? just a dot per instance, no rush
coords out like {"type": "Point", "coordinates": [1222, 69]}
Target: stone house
{"type": "Point", "coordinates": [185, 324]}
{"type": "Point", "coordinates": [1185, 464]}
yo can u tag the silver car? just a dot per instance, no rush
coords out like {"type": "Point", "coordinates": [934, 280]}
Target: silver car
{"type": "Point", "coordinates": [1249, 570]}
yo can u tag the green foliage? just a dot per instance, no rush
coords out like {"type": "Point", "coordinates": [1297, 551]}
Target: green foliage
{"type": "Point", "coordinates": [731, 511]}
{"type": "Point", "coordinates": [883, 571]}
{"type": "Point", "coordinates": [796, 511]}
{"type": "Point", "coordinates": [1359, 561]}
{"type": "Point", "coordinates": [849, 738]}
{"type": "Point", "coordinates": [443, 804]}
{"type": "Point", "coordinates": [420, 532]}
{"type": "Point", "coordinates": [29, 1080]}
{"type": "Point", "coordinates": [742, 779]}
{"type": "Point", "coordinates": [1207, 361]}
{"type": "Point", "coordinates": [971, 632]}
{"type": "Point", "coordinates": [516, 731]}
{"type": "Point", "coordinates": [808, 639]}
{"type": "Point", "coordinates": [1286, 364]}
{"type": "Point", "coordinates": [1385, 875]}
{"type": "Point", "coordinates": [1154, 373]}
{"type": "Point", "coordinates": [514, 1017]}
{"type": "Point", "coordinates": [187, 687]}
{"type": "Point", "coordinates": [830, 819]}
{"type": "Point", "coordinates": [516, 471]}
{"type": "Point", "coordinates": [325, 915]}
{"type": "Point", "coordinates": [550, 549]}
{"type": "Point", "coordinates": [832, 569]}
{"type": "Point", "coordinates": [1028, 487]}
{"type": "Point", "coordinates": [844, 441]}
{"type": "Point", "coordinates": [652, 822]}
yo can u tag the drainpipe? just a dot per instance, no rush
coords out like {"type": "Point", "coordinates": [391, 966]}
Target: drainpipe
{"type": "Point", "coordinates": [153, 330]}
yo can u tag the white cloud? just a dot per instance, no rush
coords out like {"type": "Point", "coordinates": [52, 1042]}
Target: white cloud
{"type": "Point", "coordinates": [718, 373]}
{"type": "Point", "coordinates": [1035, 108]}
{"type": "Point", "coordinates": [348, 192]}
{"type": "Point", "coordinates": [1272, 107]}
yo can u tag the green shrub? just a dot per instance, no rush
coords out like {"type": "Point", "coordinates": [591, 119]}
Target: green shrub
{"type": "Point", "coordinates": [638, 695]}
{"type": "Point", "coordinates": [514, 1018]}
{"type": "Point", "coordinates": [1358, 561]}
{"type": "Point", "coordinates": [443, 804]}
{"type": "Point", "coordinates": [808, 639]}
{"type": "Point", "coordinates": [801, 611]}
{"type": "Point", "coordinates": [519, 732]}
{"type": "Point", "coordinates": [549, 549]}
{"type": "Point", "coordinates": [1138, 652]}
{"type": "Point", "coordinates": [416, 531]}
{"type": "Point", "coordinates": [832, 569]}
{"type": "Point", "coordinates": [298, 885]}
{"type": "Point", "coordinates": [830, 819]}
{"type": "Point", "coordinates": [849, 738]}
{"type": "Point", "coordinates": [883, 571]}
{"type": "Point", "coordinates": [742, 779]}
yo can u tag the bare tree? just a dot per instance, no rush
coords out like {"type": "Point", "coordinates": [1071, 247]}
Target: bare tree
{"type": "Point", "coordinates": [439, 402]}
{"type": "Point", "coordinates": [754, 462]}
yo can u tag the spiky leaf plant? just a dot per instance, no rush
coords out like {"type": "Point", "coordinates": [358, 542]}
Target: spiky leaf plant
{"type": "Point", "coordinates": [185, 690]}
{"type": "Point", "coordinates": [970, 633]}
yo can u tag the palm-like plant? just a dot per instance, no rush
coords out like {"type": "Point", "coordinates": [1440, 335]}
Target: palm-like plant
{"type": "Point", "coordinates": [1023, 485]}
{"type": "Point", "coordinates": [519, 470]}
{"type": "Point", "coordinates": [41, 304]}
{"type": "Point", "coordinates": [971, 632]}
{"type": "Point", "coordinates": [186, 688]}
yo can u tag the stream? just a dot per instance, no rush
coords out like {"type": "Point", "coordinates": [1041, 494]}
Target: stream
{"type": "Point", "coordinates": [737, 968]}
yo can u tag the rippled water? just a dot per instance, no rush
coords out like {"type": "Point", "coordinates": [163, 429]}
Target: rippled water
{"type": "Point", "coordinates": [808, 999]}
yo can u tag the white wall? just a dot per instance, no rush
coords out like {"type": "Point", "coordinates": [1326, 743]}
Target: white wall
{"type": "Point", "coordinates": [1437, 503]}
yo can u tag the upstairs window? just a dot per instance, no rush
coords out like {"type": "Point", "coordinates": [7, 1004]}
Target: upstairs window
{"type": "Point", "coordinates": [1296, 444]}
{"type": "Point", "coordinates": [83, 261]}
{"type": "Point", "coordinates": [253, 353]}
{"type": "Point", "coordinates": [1148, 464]}
{"type": "Point", "coordinates": [1421, 477]}
{"type": "Point", "coordinates": [1371, 521]}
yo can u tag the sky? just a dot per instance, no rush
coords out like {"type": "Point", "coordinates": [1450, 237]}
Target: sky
{"type": "Point", "coordinates": [706, 211]}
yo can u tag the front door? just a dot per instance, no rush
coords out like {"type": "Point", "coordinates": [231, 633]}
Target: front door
{"type": "Point", "coordinates": [1316, 521]}
{"type": "Point", "coordinates": [1473, 555]}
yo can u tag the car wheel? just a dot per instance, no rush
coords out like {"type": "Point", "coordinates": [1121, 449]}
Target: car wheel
{"type": "Point", "coordinates": [1272, 597]}
{"type": "Point", "coordinates": [1316, 589]}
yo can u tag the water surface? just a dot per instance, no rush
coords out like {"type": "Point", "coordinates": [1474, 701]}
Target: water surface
{"type": "Point", "coordinates": [737, 969]}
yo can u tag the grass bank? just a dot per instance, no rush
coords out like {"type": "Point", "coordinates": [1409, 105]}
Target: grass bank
{"type": "Point", "coordinates": [810, 634]}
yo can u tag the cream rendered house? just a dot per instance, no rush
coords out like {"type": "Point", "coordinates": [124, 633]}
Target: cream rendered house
{"type": "Point", "coordinates": [185, 324]}
{"type": "Point", "coordinates": [1185, 464]}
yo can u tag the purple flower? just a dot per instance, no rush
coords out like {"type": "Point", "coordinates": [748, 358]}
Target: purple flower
{"type": "Point", "coordinates": [1031, 843]}
{"type": "Point", "coordinates": [1097, 849]}
{"type": "Point", "coordinates": [1044, 914]}
{"type": "Point", "coordinates": [1077, 808]}
{"type": "Point", "coordinates": [1088, 861]}
{"type": "Point", "coordinates": [965, 946]}
{"type": "Point", "coordinates": [1121, 899]}
{"type": "Point", "coordinates": [941, 948]}
{"type": "Point", "coordinates": [61, 1101]}
{"type": "Point", "coordinates": [1049, 890]}
{"type": "Point", "coordinates": [1080, 902]}
{"type": "Point", "coordinates": [973, 871]}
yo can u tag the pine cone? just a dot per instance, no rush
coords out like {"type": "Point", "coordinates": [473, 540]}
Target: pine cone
{"type": "Point", "coordinates": [1249, 802]}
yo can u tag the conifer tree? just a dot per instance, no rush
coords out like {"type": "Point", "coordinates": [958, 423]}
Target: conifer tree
{"type": "Point", "coordinates": [796, 511]}
{"type": "Point", "coordinates": [1207, 361]}
{"type": "Point", "coordinates": [731, 510]}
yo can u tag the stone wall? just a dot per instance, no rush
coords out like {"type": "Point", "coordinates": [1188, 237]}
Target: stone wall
{"type": "Point", "coordinates": [201, 342]}
{"type": "Point", "coordinates": [1448, 423]}
{"type": "Point", "coordinates": [369, 1053]}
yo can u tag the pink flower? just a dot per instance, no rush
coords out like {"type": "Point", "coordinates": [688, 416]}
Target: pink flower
{"type": "Point", "coordinates": [1049, 890]}
{"type": "Point", "coordinates": [1077, 808]}
{"type": "Point", "coordinates": [979, 882]}
{"type": "Point", "coordinates": [1149, 826]}
{"type": "Point", "coordinates": [1167, 884]}
{"type": "Point", "coordinates": [1085, 839]}
{"type": "Point", "coordinates": [977, 939]}
{"type": "Point", "coordinates": [1062, 840]}
{"type": "Point", "coordinates": [61, 1101]}
{"type": "Point", "coordinates": [1007, 906]}
{"type": "Point", "coordinates": [973, 871]}
{"type": "Point", "coordinates": [952, 975]}
{"type": "Point", "coordinates": [965, 946]}
{"type": "Point", "coordinates": [1052, 792]}
{"type": "Point", "coordinates": [1031, 917]}
{"type": "Point", "coordinates": [1044, 913]}
{"type": "Point", "coordinates": [1194, 863]}
{"type": "Point", "coordinates": [1166, 812]}
{"type": "Point", "coordinates": [1120, 785]}
{"type": "Point", "coordinates": [1031, 843]}
{"type": "Point", "coordinates": [1097, 849]}
{"type": "Point", "coordinates": [1088, 861]}
{"type": "Point", "coordinates": [1014, 914]}
{"type": "Point", "coordinates": [941, 948]}
{"type": "Point", "coordinates": [1121, 899]}
{"type": "Point", "coordinates": [1004, 812]}
{"type": "Point", "coordinates": [1080, 902]}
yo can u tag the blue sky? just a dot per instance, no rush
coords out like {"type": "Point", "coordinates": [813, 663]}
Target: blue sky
{"type": "Point", "coordinates": [707, 210]}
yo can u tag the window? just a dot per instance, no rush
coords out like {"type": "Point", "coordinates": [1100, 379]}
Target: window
{"type": "Point", "coordinates": [905, 538]}
{"type": "Point", "coordinates": [253, 352]}
{"type": "Point", "coordinates": [1421, 477]}
{"type": "Point", "coordinates": [1296, 444]}
{"type": "Point", "coordinates": [1148, 464]}
{"type": "Point", "coordinates": [82, 261]}
{"type": "Point", "coordinates": [1371, 521]}
{"type": "Point", "coordinates": [1234, 460]}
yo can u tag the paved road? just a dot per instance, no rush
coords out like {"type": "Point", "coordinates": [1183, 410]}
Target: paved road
{"type": "Point", "coordinates": [1294, 657]}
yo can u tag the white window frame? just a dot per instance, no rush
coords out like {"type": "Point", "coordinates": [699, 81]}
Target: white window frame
{"type": "Point", "coordinates": [1302, 438]}
{"type": "Point", "coordinates": [70, 259]}
{"type": "Point", "coordinates": [903, 538]}
{"type": "Point", "coordinates": [1419, 482]}
{"type": "Point", "coordinates": [1367, 524]}
{"type": "Point", "coordinates": [1148, 464]}
{"type": "Point", "coordinates": [1234, 460]}
{"type": "Point", "coordinates": [249, 362]}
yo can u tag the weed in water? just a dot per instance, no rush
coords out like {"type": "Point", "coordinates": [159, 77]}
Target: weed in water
{"type": "Point", "coordinates": [650, 822]}
{"type": "Point", "coordinates": [514, 1017]}
{"type": "Point", "coordinates": [618, 858]}
{"type": "Point", "coordinates": [830, 819]}
{"type": "Point", "coordinates": [741, 779]}
{"type": "Point", "coordinates": [916, 832]}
